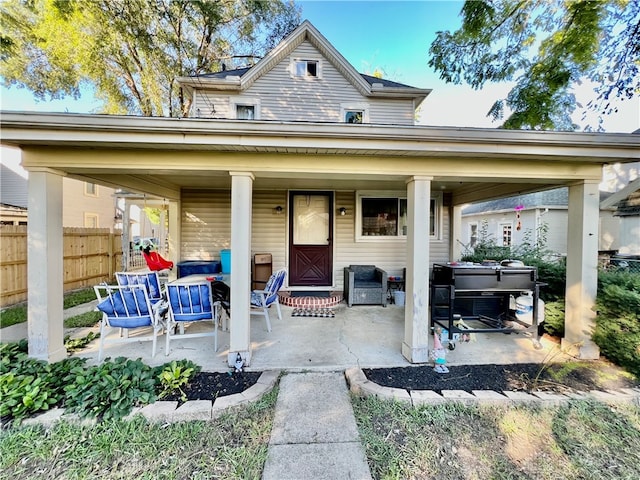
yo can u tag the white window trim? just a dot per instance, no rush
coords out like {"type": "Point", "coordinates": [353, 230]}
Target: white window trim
{"type": "Point", "coordinates": [292, 68]}
{"type": "Point", "coordinates": [501, 226]}
{"type": "Point", "coordinates": [346, 107]}
{"type": "Point", "coordinates": [436, 196]}
{"type": "Point", "coordinates": [245, 101]}
{"type": "Point", "coordinates": [88, 216]}
{"type": "Point", "coordinates": [86, 189]}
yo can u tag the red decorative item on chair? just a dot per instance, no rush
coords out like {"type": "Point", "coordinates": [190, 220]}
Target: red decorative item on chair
{"type": "Point", "coordinates": [155, 262]}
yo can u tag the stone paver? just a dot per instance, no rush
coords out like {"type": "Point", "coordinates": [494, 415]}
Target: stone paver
{"type": "Point", "coordinates": [194, 410]}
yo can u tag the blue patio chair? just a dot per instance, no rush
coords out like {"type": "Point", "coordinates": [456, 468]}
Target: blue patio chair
{"type": "Point", "coordinates": [261, 300]}
{"type": "Point", "coordinates": [190, 303]}
{"type": "Point", "coordinates": [127, 308]}
{"type": "Point", "coordinates": [150, 280]}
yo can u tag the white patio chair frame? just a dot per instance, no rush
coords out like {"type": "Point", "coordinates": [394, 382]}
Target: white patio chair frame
{"type": "Point", "coordinates": [132, 310]}
{"type": "Point", "coordinates": [177, 316]}
{"type": "Point", "coordinates": [268, 297]}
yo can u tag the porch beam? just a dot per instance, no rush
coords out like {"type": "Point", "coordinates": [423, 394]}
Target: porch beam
{"type": "Point", "coordinates": [241, 207]}
{"type": "Point", "coordinates": [582, 270]}
{"type": "Point", "coordinates": [455, 247]}
{"type": "Point", "coordinates": [415, 347]}
{"type": "Point", "coordinates": [45, 328]}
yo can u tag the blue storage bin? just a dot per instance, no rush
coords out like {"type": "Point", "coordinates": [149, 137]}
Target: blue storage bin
{"type": "Point", "coordinates": [194, 267]}
{"type": "Point", "coordinates": [225, 257]}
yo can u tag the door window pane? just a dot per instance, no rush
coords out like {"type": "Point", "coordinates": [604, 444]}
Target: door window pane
{"type": "Point", "coordinates": [311, 220]}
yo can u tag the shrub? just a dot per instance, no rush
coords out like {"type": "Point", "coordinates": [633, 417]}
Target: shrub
{"type": "Point", "coordinates": [554, 318]}
{"type": "Point", "coordinates": [110, 390]}
{"type": "Point", "coordinates": [27, 385]}
{"type": "Point", "coordinates": [174, 376]}
{"type": "Point", "coordinates": [617, 330]}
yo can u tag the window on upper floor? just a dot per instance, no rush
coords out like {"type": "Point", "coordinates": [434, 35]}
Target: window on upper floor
{"type": "Point", "coordinates": [354, 113]}
{"type": "Point", "coordinates": [383, 216]}
{"type": "Point", "coordinates": [90, 189]}
{"type": "Point", "coordinates": [307, 68]}
{"type": "Point", "coordinates": [245, 108]}
{"type": "Point", "coordinates": [245, 112]}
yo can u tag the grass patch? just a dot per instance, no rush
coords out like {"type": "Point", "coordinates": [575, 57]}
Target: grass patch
{"type": "Point", "coordinates": [18, 314]}
{"type": "Point", "coordinates": [79, 297]}
{"type": "Point", "coordinates": [580, 440]}
{"type": "Point", "coordinates": [232, 446]}
{"type": "Point", "coordinates": [13, 315]}
{"type": "Point", "coordinates": [88, 319]}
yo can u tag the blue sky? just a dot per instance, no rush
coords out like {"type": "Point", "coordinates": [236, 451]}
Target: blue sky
{"type": "Point", "coordinates": [390, 35]}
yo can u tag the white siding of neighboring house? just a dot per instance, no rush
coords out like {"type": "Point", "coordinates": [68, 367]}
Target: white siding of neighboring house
{"type": "Point", "coordinates": [286, 98]}
{"type": "Point", "coordinates": [609, 230]}
{"type": "Point", "coordinates": [77, 204]}
{"type": "Point", "coordinates": [556, 220]}
{"type": "Point", "coordinates": [206, 230]}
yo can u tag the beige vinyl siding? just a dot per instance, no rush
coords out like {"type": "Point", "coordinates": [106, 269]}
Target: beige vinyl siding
{"type": "Point", "coordinates": [286, 98]}
{"type": "Point", "coordinates": [206, 230]}
{"type": "Point", "coordinates": [206, 224]}
{"type": "Point", "coordinates": [391, 256]}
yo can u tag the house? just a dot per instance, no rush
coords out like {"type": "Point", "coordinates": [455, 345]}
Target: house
{"type": "Point", "coordinates": [302, 157]}
{"type": "Point", "coordinates": [85, 204]}
{"type": "Point", "coordinates": [511, 221]}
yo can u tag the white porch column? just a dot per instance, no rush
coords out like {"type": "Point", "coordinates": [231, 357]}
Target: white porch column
{"type": "Point", "coordinates": [415, 347]}
{"type": "Point", "coordinates": [582, 270]}
{"type": "Point", "coordinates": [126, 236]}
{"type": "Point", "coordinates": [174, 236]}
{"type": "Point", "coordinates": [241, 203]}
{"type": "Point", "coordinates": [45, 267]}
{"type": "Point", "coordinates": [456, 233]}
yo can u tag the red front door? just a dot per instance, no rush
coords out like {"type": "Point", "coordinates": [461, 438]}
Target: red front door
{"type": "Point", "coordinates": [310, 238]}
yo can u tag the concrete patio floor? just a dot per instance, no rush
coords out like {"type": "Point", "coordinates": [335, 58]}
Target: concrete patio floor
{"type": "Point", "coordinates": [360, 336]}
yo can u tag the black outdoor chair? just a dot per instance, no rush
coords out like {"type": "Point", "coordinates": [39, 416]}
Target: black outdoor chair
{"type": "Point", "coordinates": [365, 285]}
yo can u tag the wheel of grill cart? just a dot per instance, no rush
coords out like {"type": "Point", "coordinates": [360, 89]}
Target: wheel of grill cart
{"type": "Point", "coordinates": [452, 346]}
{"type": "Point", "coordinates": [537, 345]}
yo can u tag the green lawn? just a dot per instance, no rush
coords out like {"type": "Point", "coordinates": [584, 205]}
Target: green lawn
{"type": "Point", "coordinates": [580, 440]}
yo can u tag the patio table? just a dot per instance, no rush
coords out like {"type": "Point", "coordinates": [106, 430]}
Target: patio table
{"type": "Point", "coordinates": [202, 277]}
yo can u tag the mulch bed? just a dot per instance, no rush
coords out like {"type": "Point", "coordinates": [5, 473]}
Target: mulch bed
{"type": "Point", "coordinates": [597, 375]}
{"type": "Point", "coordinates": [209, 386]}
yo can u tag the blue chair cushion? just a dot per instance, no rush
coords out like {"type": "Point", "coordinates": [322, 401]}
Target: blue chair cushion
{"type": "Point", "coordinates": [190, 302]}
{"type": "Point", "coordinates": [148, 280]}
{"type": "Point", "coordinates": [126, 309]}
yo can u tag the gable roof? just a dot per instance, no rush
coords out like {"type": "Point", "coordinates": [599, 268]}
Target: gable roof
{"type": "Point", "coordinates": [242, 78]}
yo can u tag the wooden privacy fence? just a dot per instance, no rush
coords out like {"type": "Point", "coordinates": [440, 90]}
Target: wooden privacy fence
{"type": "Point", "coordinates": [91, 256]}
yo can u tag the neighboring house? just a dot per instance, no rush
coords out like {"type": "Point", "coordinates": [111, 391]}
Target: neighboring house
{"type": "Point", "coordinates": [625, 219]}
{"type": "Point", "coordinates": [85, 204]}
{"type": "Point", "coordinates": [510, 221]}
{"type": "Point", "coordinates": [619, 218]}
{"type": "Point", "coordinates": [302, 157]}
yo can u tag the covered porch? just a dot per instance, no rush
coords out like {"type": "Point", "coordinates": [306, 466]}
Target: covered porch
{"type": "Point", "coordinates": [246, 169]}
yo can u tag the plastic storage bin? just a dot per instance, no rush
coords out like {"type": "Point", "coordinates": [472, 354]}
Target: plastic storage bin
{"type": "Point", "coordinates": [225, 258]}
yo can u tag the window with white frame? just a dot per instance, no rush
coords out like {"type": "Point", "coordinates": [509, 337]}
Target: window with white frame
{"type": "Point", "coordinates": [306, 68]}
{"type": "Point", "coordinates": [383, 216]}
{"type": "Point", "coordinates": [246, 108]}
{"type": "Point", "coordinates": [90, 189]}
{"type": "Point", "coordinates": [506, 229]}
{"type": "Point", "coordinates": [473, 234]}
{"type": "Point", "coordinates": [91, 220]}
{"type": "Point", "coordinates": [354, 113]}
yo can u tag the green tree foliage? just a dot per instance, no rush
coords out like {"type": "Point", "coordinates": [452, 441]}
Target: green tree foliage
{"type": "Point", "coordinates": [132, 51]}
{"type": "Point", "coordinates": [546, 47]}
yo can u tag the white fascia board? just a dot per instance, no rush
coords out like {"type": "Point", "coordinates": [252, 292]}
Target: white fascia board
{"type": "Point", "coordinates": [34, 128]}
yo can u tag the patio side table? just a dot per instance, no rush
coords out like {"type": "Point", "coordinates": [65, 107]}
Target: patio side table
{"type": "Point", "coordinates": [394, 284]}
